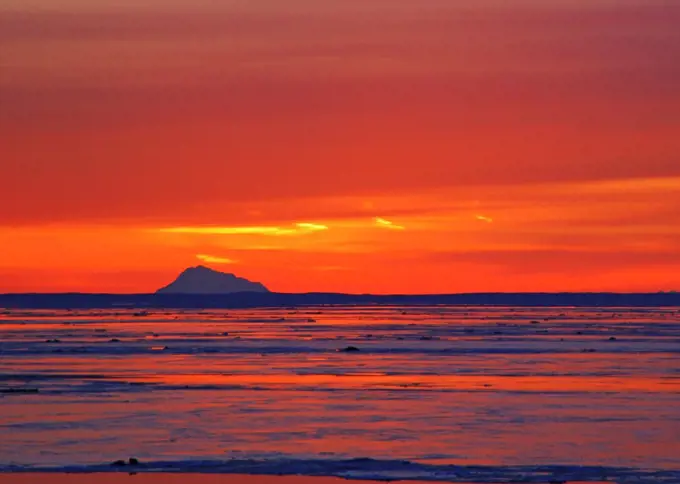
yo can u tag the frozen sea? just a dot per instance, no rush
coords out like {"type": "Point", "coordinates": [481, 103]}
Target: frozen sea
{"type": "Point", "coordinates": [458, 394]}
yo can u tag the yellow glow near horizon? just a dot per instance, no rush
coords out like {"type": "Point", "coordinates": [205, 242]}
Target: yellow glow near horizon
{"type": "Point", "coordinates": [381, 222]}
{"type": "Point", "coordinates": [298, 228]}
{"type": "Point", "coordinates": [211, 259]}
{"type": "Point", "coordinates": [311, 227]}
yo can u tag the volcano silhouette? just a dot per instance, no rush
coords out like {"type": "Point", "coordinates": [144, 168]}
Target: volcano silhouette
{"type": "Point", "coordinates": [203, 280]}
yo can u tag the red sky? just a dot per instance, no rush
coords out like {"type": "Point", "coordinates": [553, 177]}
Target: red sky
{"type": "Point", "coordinates": [424, 145]}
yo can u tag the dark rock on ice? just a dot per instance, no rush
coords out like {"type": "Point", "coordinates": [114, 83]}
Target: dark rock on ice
{"type": "Point", "coordinates": [350, 349]}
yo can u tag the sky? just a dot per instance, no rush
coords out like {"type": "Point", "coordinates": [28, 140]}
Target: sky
{"type": "Point", "coordinates": [384, 146]}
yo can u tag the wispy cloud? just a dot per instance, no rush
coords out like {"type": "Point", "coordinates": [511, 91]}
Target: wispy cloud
{"type": "Point", "coordinates": [484, 218]}
{"type": "Point", "coordinates": [386, 224]}
{"type": "Point", "coordinates": [310, 227]}
{"type": "Point", "coordinates": [296, 229]}
{"type": "Point", "coordinates": [211, 259]}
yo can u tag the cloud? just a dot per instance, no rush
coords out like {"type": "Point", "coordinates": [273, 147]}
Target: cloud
{"type": "Point", "coordinates": [484, 218]}
{"type": "Point", "coordinates": [211, 259]}
{"type": "Point", "coordinates": [296, 229]}
{"type": "Point", "coordinates": [311, 227]}
{"type": "Point", "coordinates": [386, 224]}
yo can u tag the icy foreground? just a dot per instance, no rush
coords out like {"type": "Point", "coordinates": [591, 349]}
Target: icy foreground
{"type": "Point", "coordinates": [441, 393]}
{"type": "Point", "coordinates": [381, 470]}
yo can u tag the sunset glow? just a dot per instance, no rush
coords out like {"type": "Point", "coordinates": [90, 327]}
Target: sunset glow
{"type": "Point", "coordinates": [352, 146]}
{"type": "Point", "coordinates": [381, 222]}
{"type": "Point", "coordinates": [298, 228]}
{"type": "Point", "coordinates": [211, 259]}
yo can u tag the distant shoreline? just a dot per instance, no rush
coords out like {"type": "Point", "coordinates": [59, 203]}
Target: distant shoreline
{"type": "Point", "coordinates": [279, 300]}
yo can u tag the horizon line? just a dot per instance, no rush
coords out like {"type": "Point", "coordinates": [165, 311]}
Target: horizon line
{"type": "Point", "coordinates": [81, 293]}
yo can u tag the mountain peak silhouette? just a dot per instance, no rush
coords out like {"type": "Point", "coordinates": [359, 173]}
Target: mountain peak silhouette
{"type": "Point", "coordinates": [204, 280]}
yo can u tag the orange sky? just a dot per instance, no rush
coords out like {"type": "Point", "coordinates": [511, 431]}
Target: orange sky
{"type": "Point", "coordinates": [424, 145]}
